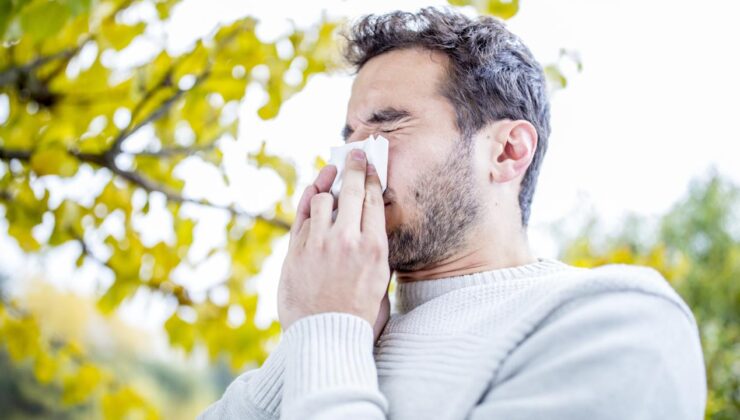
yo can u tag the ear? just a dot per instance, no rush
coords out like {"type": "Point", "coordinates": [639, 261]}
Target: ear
{"type": "Point", "coordinates": [513, 150]}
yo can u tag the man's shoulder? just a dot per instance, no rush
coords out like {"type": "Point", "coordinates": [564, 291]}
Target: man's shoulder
{"type": "Point", "coordinates": [618, 297]}
{"type": "Point", "coordinates": [621, 333]}
{"type": "Point", "coordinates": [570, 290]}
{"type": "Point", "coordinates": [622, 281]}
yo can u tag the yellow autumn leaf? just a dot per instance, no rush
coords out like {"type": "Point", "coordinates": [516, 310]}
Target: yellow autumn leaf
{"type": "Point", "coordinates": [80, 385]}
{"type": "Point", "coordinates": [45, 368]}
{"type": "Point", "coordinates": [319, 163]}
{"type": "Point", "coordinates": [53, 161]}
{"type": "Point", "coordinates": [126, 403]}
{"type": "Point", "coordinates": [117, 35]}
{"type": "Point", "coordinates": [504, 9]}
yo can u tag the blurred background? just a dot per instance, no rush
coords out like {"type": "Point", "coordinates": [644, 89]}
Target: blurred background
{"type": "Point", "coordinates": [151, 151]}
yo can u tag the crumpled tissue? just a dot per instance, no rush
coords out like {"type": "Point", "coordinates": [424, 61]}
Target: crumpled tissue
{"type": "Point", "coordinates": [376, 150]}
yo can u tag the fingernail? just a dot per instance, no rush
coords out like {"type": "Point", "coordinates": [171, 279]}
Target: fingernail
{"type": "Point", "coordinates": [371, 169]}
{"type": "Point", "coordinates": [358, 154]}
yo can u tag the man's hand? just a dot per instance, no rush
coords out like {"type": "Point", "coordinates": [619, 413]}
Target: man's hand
{"type": "Point", "coordinates": [340, 266]}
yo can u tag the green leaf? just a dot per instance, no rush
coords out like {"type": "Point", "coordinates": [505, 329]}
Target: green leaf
{"type": "Point", "coordinates": [78, 7]}
{"type": "Point", "coordinates": [43, 18]}
{"type": "Point", "coordinates": [6, 8]}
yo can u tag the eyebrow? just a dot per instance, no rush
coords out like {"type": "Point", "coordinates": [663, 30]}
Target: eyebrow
{"type": "Point", "coordinates": [385, 115]}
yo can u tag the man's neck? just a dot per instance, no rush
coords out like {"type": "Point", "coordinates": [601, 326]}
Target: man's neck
{"type": "Point", "coordinates": [481, 254]}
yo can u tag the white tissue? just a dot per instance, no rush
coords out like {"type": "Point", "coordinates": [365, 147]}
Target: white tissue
{"type": "Point", "coordinates": [376, 150]}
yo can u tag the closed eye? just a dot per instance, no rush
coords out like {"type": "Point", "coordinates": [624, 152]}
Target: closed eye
{"type": "Point", "coordinates": [390, 130]}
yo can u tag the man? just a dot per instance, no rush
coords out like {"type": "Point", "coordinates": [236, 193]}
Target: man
{"type": "Point", "coordinates": [482, 328]}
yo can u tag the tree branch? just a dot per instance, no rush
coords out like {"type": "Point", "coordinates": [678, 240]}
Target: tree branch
{"type": "Point", "coordinates": [107, 158]}
{"type": "Point", "coordinates": [11, 75]}
{"type": "Point", "coordinates": [148, 185]}
{"type": "Point", "coordinates": [166, 104]}
{"type": "Point", "coordinates": [14, 154]}
{"type": "Point", "coordinates": [115, 148]}
{"type": "Point", "coordinates": [174, 151]}
{"type": "Point", "coordinates": [86, 250]}
{"type": "Point", "coordinates": [174, 197]}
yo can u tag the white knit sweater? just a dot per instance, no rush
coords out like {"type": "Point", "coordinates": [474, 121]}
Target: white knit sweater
{"type": "Point", "coordinates": [540, 341]}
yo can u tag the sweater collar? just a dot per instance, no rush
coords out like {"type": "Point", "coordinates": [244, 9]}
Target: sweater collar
{"type": "Point", "coordinates": [409, 295]}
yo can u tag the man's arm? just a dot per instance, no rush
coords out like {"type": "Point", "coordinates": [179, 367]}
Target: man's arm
{"type": "Point", "coordinates": [323, 368]}
{"type": "Point", "coordinates": [621, 355]}
{"type": "Point", "coordinates": [255, 394]}
{"type": "Point", "coordinates": [330, 371]}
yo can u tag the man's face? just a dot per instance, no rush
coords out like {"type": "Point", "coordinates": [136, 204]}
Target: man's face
{"type": "Point", "coordinates": [432, 196]}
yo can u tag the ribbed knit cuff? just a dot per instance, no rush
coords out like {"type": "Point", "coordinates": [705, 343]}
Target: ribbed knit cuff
{"type": "Point", "coordinates": [266, 383]}
{"type": "Point", "coordinates": [328, 351]}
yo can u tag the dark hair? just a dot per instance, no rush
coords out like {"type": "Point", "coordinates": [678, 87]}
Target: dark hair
{"type": "Point", "coordinates": [492, 75]}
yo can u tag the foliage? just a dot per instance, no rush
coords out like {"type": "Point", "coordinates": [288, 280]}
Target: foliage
{"type": "Point", "coordinates": [696, 246]}
{"type": "Point", "coordinates": [73, 109]}
{"type": "Point", "coordinates": [64, 366]}
{"type": "Point", "coordinates": [66, 114]}
{"type": "Point", "coordinates": [137, 383]}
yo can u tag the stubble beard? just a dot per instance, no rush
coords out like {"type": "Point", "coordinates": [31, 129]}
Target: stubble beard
{"type": "Point", "coordinates": [446, 205]}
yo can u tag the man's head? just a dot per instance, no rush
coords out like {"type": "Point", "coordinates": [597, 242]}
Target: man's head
{"type": "Point", "coordinates": [464, 106]}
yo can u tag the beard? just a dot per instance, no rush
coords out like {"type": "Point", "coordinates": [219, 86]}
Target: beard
{"type": "Point", "coordinates": [447, 206]}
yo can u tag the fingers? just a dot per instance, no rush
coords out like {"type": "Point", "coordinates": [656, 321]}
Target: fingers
{"type": "Point", "coordinates": [321, 184]}
{"type": "Point", "coordinates": [373, 212]}
{"type": "Point", "coordinates": [352, 194]}
{"type": "Point", "coordinates": [321, 208]}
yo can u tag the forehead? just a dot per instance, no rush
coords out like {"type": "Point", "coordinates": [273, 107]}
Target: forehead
{"type": "Point", "coordinates": [407, 78]}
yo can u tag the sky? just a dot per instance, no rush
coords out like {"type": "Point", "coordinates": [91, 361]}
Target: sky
{"type": "Point", "coordinates": [654, 106]}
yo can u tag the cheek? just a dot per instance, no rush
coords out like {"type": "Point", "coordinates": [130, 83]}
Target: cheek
{"type": "Point", "coordinates": [402, 170]}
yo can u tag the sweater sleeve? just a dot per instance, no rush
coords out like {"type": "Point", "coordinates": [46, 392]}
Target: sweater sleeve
{"type": "Point", "coordinates": [330, 371]}
{"type": "Point", "coordinates": [618, 355]}
{"type": "Point", "coordinates": [255, 394]}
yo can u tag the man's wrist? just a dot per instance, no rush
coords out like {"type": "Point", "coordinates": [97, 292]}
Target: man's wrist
{"type": "Point", "coordinates": [328, 350]}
